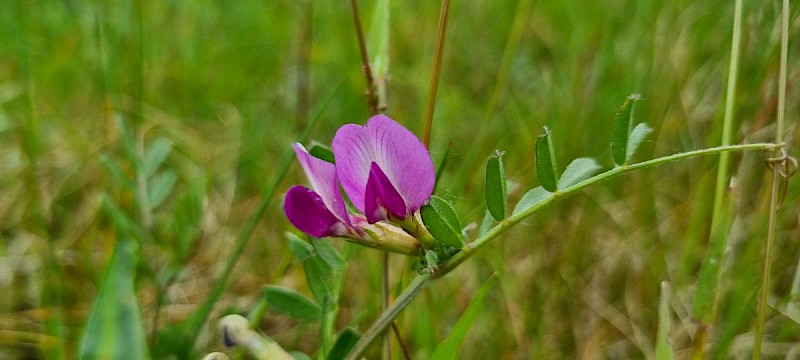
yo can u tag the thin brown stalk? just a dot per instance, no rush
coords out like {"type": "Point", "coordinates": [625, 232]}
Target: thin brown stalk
{"type": "Point", "coordinates": [775, 183]}
{"type": "Point", "coordinates": [437, 70]}
{"type": "Point", "coordinates": [371, 93]}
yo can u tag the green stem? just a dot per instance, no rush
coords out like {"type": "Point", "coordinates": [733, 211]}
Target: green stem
{"type": "Point", "coordinates": [776, 177]}
{"type": "Point", "coordinates": [437, 70]}
{"type": "Point", "coordinates": [413, 289]}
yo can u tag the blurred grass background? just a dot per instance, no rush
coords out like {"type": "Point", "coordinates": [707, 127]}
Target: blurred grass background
{"type": "Point", "coordinates": [224, 83]}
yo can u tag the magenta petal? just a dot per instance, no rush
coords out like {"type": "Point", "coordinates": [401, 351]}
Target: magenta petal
{"type": "Point", "coordinates": [399, 154]}
{"type": "Point", "coordinates": [306, 211]}
{"type": "Point", "coordinates": [381, 196]}
{"type": "Point", "coordinates": [322, 176]}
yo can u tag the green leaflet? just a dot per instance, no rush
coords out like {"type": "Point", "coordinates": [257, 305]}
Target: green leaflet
{"type": "Point", "coordinates": [300, 249]}
{"type": "Point", "coordinates": [638, 134]}
{"type": "Point", "coordinates": [155, 156]}
{"type": "Point", "coordinates": [160, 186]}
{"type": "Point", "coordinates": [531, 198]}
{"type": "Point", "coordinates": [578, 170]}
{"type": "Point", "coordinates": [496, 191]}
{"type": "Point", "coordinates": [545, 162]}
{"type": "Point", "coordinates": [328, 253]}
{"type": "Point", "coordinates": [291, 303]}
{"type": "Point", "coordinates": [442, 222]}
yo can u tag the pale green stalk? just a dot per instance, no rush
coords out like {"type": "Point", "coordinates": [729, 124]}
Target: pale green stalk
{"type": "Point", "coordinates": [776, 177]}
{"type": "Point", "coordinates": [707, 293]}
{"type": "Point", "coordinates": [414, 288]}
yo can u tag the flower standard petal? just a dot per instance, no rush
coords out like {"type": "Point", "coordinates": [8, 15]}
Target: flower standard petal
{"type": "Point", "coordinates": [306, 210]}
{"type": "Point", "coordinates": [396, 151]}
{"type": "Point", "coordinates": [381, 197]}
{"type": "Point", "coordinates": [322, 176]}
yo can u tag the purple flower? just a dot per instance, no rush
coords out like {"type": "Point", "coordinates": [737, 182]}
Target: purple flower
{"type": "Point", "coordinates": [320, 212]}
{"type": "Point", "coordinates": [384, 169]}
{"type": "Point", "coordinates": [387, 174]}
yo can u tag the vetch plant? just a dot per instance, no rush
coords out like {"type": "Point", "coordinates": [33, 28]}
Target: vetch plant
{"type": "Point", "coordinates": [376, 186]}
{"type": "Point", "coordinates": [389, 177]}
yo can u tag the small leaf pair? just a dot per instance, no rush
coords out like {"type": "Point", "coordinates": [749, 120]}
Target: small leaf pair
{"type": "Point", "coordinates": [625, 138]}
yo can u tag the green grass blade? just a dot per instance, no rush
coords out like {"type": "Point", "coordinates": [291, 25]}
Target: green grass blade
{"type": "Point", "coordinates": [114, 329]}
{"type": "Point", "coordinates": [496, 191]}
{"type": "Point", "coordinates": [663, 347]}
{"type": "Point", "coordinates": [448, 349]}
